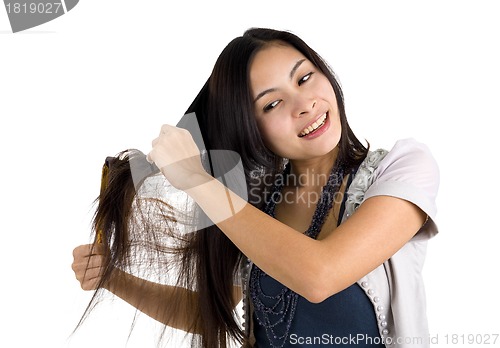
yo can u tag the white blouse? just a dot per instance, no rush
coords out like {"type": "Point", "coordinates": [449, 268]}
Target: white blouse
{"type": "Point", "coordinates": [396, 288]}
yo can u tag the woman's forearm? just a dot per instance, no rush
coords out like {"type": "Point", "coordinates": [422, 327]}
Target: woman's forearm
{"type": "Point", "coordinates": [170, 305]}
{"type": "Point", "coordinates": [268, 242]}
{"type": "Point", "coordinates": [315, 269]}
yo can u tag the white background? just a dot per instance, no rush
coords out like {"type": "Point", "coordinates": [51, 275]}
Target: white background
{"type": "Point", "coordinates": [106, 75]}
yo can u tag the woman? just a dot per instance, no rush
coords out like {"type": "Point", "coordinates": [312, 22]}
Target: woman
{"type": "Point", "coordinates": [327, 252]}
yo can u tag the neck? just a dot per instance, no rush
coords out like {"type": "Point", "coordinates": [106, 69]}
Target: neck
{"type": "Point", "coordinates": [313, 173]}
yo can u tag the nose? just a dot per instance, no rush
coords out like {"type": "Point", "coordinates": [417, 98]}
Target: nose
{"type": "Point", "coordinates": [304, 106]}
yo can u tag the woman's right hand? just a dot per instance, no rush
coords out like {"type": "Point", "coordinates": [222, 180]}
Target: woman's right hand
{"type": "Point", "coordinates": [89, 263]}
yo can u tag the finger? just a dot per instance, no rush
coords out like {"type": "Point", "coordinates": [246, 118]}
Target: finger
{"type": "Point", "coordinates": [84, 267]}
{"type": "Point", "coordinates": [89, 250]}
{"type": "Point", "coordinates": [149, 157]}
{"type": "Point", "coordinates": [93, 262]}
{"type": "Point", "coordinates": [90, 274]}
{"type": "Point", "coordinates": [90, 260]}
{"type": "Point", "coordinates": [98, 249]}
{"type": "Point", "coordinates": [166, 128]}
{"type": "Point", "coordinates": [81, 251]}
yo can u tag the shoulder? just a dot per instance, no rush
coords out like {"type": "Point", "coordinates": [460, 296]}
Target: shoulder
{"type": "Point", "coordinates": [409, 161]}
{"type": "Point", "coordinates": [408, 171]}
{"type": "Point", "coordinates": [408, 151]}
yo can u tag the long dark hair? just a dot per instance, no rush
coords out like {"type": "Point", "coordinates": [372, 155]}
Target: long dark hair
{"type": "Point", "coordinates": [207, 260]}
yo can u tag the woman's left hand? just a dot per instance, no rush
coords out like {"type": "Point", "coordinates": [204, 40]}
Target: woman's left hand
{"type": "Point", "coordinates": [175, 153]}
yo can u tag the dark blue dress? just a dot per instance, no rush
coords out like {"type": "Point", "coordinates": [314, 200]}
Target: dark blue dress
{"type": "Point", "coordinates": [346, 319]}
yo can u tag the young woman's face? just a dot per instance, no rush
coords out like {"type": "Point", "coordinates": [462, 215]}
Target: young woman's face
{"type": "Point", "coordinates": [296, 107]}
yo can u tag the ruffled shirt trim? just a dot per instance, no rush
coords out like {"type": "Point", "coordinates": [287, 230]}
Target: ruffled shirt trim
{"type": "Point", "coordinates": [363, 180]}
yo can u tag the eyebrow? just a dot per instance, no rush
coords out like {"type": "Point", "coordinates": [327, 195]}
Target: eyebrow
{"type": "Point", "coordinates": [295, 67]}
{"type": "Point", "coordinates": [292, 72]}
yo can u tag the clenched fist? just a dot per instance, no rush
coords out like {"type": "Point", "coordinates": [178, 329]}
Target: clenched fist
{"type": "Point", "coordinates": [176, 154]}
{"type": "Point", "coordinates": [89, 263]}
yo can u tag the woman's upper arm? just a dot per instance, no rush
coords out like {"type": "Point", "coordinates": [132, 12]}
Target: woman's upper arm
{"type": "Point", "coordinates": [393, 211]}
{"type": "Point", "coordinates": [377, 230]}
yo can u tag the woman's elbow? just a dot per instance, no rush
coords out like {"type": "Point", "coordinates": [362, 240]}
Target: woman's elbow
{"type": "Point", "coordinates": [320, 287]}
{"type": "Point", "coordinates": [315, 296]}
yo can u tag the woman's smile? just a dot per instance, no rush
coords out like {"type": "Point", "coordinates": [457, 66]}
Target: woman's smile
{"type": "Point", "coordinates": [316, 128]}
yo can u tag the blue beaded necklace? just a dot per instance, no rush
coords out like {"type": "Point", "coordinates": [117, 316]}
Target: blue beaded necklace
{"type": "Point", "coordinates": [285, 303]}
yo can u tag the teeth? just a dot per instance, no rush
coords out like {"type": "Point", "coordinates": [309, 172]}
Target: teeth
{"type": "Point", "coordinates": [318, 123]}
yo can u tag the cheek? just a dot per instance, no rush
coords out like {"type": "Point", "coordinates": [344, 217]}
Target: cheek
{"type": "Point", "coordinates": [327, 90]}
{"type": "Point", "coordinates": [266, 132]}
{"type": "Point", "coordinates": [270, 133]}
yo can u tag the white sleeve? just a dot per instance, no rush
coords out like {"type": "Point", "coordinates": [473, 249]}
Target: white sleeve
{"type": "Point", "coordinates": [410, 172]}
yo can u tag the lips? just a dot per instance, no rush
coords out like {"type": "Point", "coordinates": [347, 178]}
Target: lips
{"type": "Point", "coordinates": [314, 126]}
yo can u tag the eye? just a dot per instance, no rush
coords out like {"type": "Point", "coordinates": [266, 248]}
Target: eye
{"type": "Point", "coordinates": [271, 105]}
{"type": "Point", "coordinates": [305, 78]}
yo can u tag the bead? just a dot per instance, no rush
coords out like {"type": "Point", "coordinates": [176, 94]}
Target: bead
{"type": "Point", "coordinates": [284, 304]}
{"type": "Point", "coordinates": [371, 292]}
{"type": "Point", "coordinates": [376, 299]}
{"type": "Point", "coordinates": [380, 308]}
{"type": "Point", "coordinates": [383, 324]}
{"type": "Point", "coordinates": [381, 317]}
{"type": "Point", "coordinates": [364, 284]}
{"type": "Point", "coordinates": [385, 331]}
